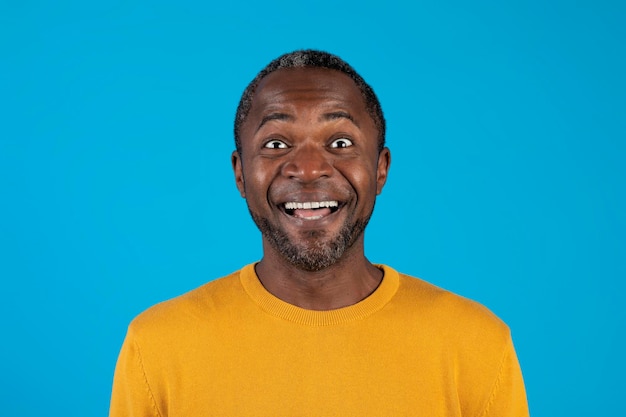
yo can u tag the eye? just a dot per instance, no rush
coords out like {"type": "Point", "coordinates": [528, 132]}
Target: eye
{"type": "Point", "coordinates": [275, 144]}
{"type": "Point", "coordinates": [341, 143]}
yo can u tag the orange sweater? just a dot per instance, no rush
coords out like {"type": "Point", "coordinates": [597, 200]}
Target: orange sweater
{"type": "Point", "coordinates": [230, 348]}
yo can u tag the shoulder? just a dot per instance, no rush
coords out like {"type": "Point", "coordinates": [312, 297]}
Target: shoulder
{"type": "Point", "coordinates": [461, 337]}
{"type": "Point", "coordinates": [453, 315]}
{"type": "Point", "coordinates": [197, 306]}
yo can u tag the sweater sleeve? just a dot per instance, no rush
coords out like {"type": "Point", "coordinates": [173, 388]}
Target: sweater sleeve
{"type": "Point", "coordinates": [508, 397]}
{"type": "Point", "coordinates": [131, 395]}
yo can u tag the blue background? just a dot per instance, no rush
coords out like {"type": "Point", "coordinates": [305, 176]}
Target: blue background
{"type": "Point", "coordinates": [507, 125]}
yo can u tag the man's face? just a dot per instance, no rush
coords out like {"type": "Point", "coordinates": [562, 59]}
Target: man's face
{"type": "Point", "coordinates": [309, 167]}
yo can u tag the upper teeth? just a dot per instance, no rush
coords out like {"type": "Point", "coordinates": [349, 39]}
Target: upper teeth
{"type": "Point", "coordinates": [310, 205]}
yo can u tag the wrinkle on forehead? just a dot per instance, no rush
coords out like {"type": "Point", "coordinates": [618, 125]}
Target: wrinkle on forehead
{"type": "Point", "coordinates": [325, 117]}
{"type": "Point", "coordinates": [308, 84]}
{"type": "Point", "coordinates": [324, 95]}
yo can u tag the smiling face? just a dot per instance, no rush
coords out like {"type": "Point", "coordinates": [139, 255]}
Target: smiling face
{"type": "Point", "coordinates": [309, 167]}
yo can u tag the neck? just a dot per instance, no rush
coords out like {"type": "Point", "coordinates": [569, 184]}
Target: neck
{"type": "Point", "coordinates": [348, 281]}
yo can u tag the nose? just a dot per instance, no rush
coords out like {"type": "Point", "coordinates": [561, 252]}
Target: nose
{"type": "Point", "coordinates": [307, 164]}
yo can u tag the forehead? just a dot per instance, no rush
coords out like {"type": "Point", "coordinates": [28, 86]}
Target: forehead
{"type": "Point", "coordinates": [305, 89]}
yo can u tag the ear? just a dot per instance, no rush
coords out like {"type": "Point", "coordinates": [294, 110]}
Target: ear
{"type": "Point", "coordinates": [235, 159]}
{"type": "Point", "coordinates": [384, 161]}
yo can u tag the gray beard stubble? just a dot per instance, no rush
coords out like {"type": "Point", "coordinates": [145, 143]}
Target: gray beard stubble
{"type": "Point", "coordinates": [322, 254]}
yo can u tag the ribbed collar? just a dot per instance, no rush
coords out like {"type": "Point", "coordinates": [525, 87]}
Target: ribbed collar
{"type": "Point", "coordinates": [279, 308]}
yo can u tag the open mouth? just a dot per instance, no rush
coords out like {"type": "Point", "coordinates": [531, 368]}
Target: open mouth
{"type": "Point", "coordinates": [311, 210]}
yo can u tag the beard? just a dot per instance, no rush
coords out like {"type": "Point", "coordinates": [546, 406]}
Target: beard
{"type": "Point", "coordinates": [315, 251]}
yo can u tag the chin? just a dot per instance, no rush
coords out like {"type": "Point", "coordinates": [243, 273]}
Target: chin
{"type": "Point", "coordinates": [314, 250]}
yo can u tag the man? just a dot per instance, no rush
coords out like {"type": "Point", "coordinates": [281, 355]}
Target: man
{"type": "Point", "coordinates": [314, 329]}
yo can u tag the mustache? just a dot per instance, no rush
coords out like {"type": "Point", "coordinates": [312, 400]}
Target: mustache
{"type": "Point", "coordinates": [321, 188]}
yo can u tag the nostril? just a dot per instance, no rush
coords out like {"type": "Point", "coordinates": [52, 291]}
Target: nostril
{"type": "Point", "coordinates": [307, 165]}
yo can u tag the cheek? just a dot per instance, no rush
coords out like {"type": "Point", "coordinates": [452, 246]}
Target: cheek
{"type": "Point", "coordinates": [362, 177]}
{"type": "Point", "coordinates": [257, 179]}
{"type": "Point", "coordinates": [253, 183]}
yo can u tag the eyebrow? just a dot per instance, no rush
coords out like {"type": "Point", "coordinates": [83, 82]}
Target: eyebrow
{"type": "Point", "coordinates": [275, 116]}
{"type": "Point", "coordinates": [339, 115]}
{"type": "Point", "coordinates": [325, 117]}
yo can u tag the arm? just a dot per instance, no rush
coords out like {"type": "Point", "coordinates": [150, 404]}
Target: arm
{"type": "Point", "coordinates": [131, 396]}
{"type": "Point", "coordinates": [508, 397]}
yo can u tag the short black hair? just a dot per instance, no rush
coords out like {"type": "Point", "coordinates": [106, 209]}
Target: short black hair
{"type": "Point", "coordinates": [308, 58]}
